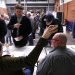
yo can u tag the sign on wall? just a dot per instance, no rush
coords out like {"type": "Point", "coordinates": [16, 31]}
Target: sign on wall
{"type": "Point", "coordinates": [64, 1]}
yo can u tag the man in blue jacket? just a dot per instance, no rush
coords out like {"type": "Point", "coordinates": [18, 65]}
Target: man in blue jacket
{"type": "Point", "coordinates": [3, 30]}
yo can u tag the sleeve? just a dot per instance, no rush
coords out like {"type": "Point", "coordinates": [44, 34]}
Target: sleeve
{"type": "Point", "coordinates": [27, 29]}
{"type": "Point", "coordinates": [11, 23]}
{"type": "Point", "coordinates": [45, 67]}
{"type": "Point", "coordinates": [34, 55]}
{"type": "Point", "coordinates": [3, 28]}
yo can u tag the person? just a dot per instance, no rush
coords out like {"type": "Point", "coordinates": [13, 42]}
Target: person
{"type": "Point", "coordinates": [60, 60]}
{"type": "Point", "coordinates": [42, 23]}
{"type": "Point", "coordinates": [20, 26]}
{"type": "Point", "coordinates": [73, 30]}
{"type": "Point", "coordinates": [49, 19]}
{"type": "Point", "coordinates": [30, 38]}
{"type": "Point", "coordinates": [9, 65]}
{"type": "Point", "coordinates": [3, 30]}
{"type": "Point", "coordinates": [68, 25]}
{"type": "Point", "coordinates": [8, 38]}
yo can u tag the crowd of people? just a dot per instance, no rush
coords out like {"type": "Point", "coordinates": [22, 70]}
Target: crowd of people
{"type": "Point", "coordinates": [22, 28]}
{"type": "Point", "coordinates": [32, 22]}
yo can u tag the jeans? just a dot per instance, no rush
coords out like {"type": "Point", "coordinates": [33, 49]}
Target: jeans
{"type": "Point", "coordinates": [29, 71]}
{"type": "Point", "coordinates": [30, 39]}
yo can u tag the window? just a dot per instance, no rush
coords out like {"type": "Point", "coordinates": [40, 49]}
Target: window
{"type": "Point", "coordinates": [19, 0]}
{"type": "Point", "coordinates": [36, 0]}
{"type": "Point", "coordinates": [64, 1]}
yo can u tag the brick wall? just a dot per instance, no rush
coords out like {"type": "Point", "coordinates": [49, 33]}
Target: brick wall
{"type": "Point", "coordinates": [69, 9]}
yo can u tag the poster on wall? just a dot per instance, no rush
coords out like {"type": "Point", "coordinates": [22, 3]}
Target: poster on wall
{"type": "Point", "coordinates": [64, 1]}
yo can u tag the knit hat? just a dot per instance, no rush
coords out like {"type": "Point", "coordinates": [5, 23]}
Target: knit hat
{"type": "Point", "coordinates": [49, 17]}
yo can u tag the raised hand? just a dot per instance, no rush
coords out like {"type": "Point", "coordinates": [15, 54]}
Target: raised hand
{"type": "Point", "coordinates": [49, 30]}
{"type": "Point", "coordinates": [17, 25]}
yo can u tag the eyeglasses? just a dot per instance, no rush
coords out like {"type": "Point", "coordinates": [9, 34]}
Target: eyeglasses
{"type": "Point", "coordinates": [54, 40]}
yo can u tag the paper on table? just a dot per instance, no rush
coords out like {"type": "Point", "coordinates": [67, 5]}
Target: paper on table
{"type": "Point", "coordinates": [18, 38]}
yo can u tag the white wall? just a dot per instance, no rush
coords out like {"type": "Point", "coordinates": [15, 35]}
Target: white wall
{"type": "Point", "coordinates": [65, 1]}
{"type": "Point", "coordinates": [10, 1]}
{"type": "Point", "coordinates": [2, 4]}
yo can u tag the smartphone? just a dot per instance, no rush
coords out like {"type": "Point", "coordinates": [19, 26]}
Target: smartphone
{"type": "Point", "coordinates": [48, 23]}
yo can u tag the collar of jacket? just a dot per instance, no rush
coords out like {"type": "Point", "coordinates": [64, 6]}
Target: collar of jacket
{"type": "Point", "coordinates": [58, 48]}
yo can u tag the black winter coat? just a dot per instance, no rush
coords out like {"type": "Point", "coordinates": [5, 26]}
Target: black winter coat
{"type": "Point", "coordinates": [24, 30]}
{"type": "Point", "coordinates": [3, 30]}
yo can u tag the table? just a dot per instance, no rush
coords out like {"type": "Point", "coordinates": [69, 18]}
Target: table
{"type": "Point", "coordinates": [72, 47]}
{"type": "Point", "coordinates": [23, 51]}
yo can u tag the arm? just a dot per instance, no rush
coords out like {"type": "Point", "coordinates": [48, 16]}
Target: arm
{"type": "Point", "coordinates": [13, 20]}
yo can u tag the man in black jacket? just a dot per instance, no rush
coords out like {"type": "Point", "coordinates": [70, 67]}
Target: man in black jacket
{"type": "Point", "coordinates": [20, 26]}
{"type": "Point", "coordinates": [3, 30]}
{"type": "Point", "coordinates": [9, 65]}
{"type": "Point", "coordinates": [60, 60]}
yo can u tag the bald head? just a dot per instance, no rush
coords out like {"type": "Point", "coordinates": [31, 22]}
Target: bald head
{"type": "Point", "coordinates": [61, 36]}
{"type": "Point", "coordinates": [60, 40]}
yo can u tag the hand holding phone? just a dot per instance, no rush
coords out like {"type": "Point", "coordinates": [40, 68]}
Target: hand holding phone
{"type": "Point", "coordinates": [17, 25]}
{"type": "Point", "coordinates": [50, 30]}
